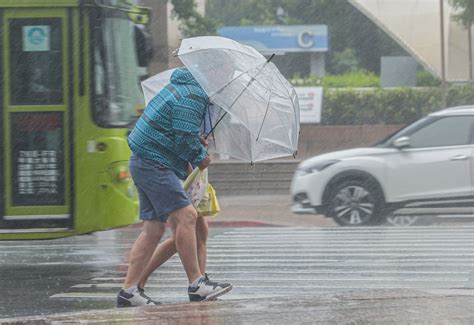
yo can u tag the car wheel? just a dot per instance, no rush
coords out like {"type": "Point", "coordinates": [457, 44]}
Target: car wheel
{"type": "Point", "coordinates": [356, 203]}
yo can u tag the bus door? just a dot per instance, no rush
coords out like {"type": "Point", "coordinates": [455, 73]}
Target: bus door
{"type": "Point", "coordinates": [35, 107]}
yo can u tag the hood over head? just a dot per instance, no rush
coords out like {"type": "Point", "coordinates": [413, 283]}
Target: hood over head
{"type": "Point", "coordinates": [183, 76]}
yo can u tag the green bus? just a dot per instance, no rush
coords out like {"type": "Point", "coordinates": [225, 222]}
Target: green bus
{"type": "Point", "coordinates": [69, 90]}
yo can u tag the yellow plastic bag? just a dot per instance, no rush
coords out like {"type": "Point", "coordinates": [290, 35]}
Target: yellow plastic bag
{"type": "Point", "coordinates": [209, 206]}
{"type": "Point", "coordinates": [196, 186]}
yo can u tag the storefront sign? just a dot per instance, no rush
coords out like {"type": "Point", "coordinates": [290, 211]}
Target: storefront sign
{"type": "Point", "coordinates": [310, 101]}
{"type": "Point", "coordinates": [280, 38]}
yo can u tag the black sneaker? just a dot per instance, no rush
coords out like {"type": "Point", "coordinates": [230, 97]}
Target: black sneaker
{"type": "Point", "coordinates": [208, 290]}
{"type": "Point", "coordinates": [139, 298]}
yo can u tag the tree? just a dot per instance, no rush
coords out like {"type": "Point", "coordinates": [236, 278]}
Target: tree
{"type": "Point", "coordinates": [465, 15]}
{"type": "Point", "coordinates": [345, 61]}
{"type": "Point", "coordinates": [193, 23]}
{"type": "Point", "coordinates": [465, 12]}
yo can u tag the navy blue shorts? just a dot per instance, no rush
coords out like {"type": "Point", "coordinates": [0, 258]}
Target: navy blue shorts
{"type": "Point", "coordinates": [159, 189]}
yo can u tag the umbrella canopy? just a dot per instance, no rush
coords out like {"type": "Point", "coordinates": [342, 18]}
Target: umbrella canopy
{"type": "Point", "coordinates": [256, 113]}
{"type": "Point", "coordinates": [153, 85]}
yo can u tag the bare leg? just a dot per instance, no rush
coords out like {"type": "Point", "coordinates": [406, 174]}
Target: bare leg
{"type": "Point", "coordinates": [183, 225]}
{"type": "Point", "coordinates": [163, 252]}
{"type": "Point", "coordinates": [201, 236]}
{"type": "Point", "coordinates": [167, 249]}
{"type": "Point", "coordinates": [142, 250]}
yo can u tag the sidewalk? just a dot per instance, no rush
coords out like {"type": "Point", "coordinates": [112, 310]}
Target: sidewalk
{"type": "Point", "coordinates": [264, 209]}
{"type": "Point", "coordinates": [367, 307]}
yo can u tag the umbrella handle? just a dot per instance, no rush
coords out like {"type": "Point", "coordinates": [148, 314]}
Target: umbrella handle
{"type": "Point", "coordinates": [213, 127]}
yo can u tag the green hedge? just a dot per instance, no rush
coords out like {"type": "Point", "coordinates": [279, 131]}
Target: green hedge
{"type": "Point", "coordinates": [354, 79]}
{"type": "Point", "coordinates": [387, 106]}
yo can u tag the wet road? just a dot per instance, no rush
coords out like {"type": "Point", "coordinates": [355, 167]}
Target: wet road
{"type": "Point", "coordinates": [84, 273]}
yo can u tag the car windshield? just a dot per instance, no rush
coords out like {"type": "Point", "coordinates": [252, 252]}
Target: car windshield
{"type": "Point", "coordinates": [116, 91]}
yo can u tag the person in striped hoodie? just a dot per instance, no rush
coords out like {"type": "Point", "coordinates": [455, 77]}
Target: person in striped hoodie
{"type": "Point", "coordinates": [164, 141]}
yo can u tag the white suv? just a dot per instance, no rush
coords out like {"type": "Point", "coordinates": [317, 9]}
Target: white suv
{"type": "Point", "coordinates": [425, 168]}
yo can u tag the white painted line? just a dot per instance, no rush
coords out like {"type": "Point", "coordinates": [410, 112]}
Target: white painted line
{"type": "Point", "coordinates": [349, 236]}
{"type": "Point", "coordinates": [341, 263]}
{"type": "Point", "coordinates": [357, 229]}
{"type": "Point", "coordinates": [322, 245]}
{"type": "Point", "coordinates": [347, 233]}
{"type": "Point", "coordinates": [436, 262]}
{"type": "Point", "coordinates": [243, 267]}
{"type": "Point", "coordinates": [160, 276]}
{"type": "Point", "coordinates": [342, 240]}
{"type": "Point", "coordinates": [166, 281]}
{"type": "Point", "coordinates": [229, 242]}
{"type": "Point", "coordinates": [276, 245]}
{"type": "Point", "coordinates": [330, 250]}
{"type": "Point", "coordinates": [164, 295]}
{"type": "Point", "coordinates": [420, 255]}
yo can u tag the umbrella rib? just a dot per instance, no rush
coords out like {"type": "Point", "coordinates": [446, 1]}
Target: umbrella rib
{"type": "Point", "coordinates": [217, 123]}
{"type": "Point", "coordinates": [288, 92]}
{"type": "Point", "coordinates": [265, 116]}
{"type": "Point", "coordinates": [234, 79]}
{"type": "Point", "coordinates": [238, 97]}
{"type": "Point", "coordinates": [210, 123]}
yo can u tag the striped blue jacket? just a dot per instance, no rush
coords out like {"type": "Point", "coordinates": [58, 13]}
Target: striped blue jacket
{"type": "Point", "coordinates": [168, 130]}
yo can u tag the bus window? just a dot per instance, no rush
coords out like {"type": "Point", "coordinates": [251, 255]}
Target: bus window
{"type": "Point", "coordinates": [37, 58]}
{"type": "Point", "coordinates": [116, 75]}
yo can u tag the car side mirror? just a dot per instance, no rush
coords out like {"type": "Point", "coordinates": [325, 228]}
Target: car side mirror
{"type": "Point", "coordinates": [402, 142]}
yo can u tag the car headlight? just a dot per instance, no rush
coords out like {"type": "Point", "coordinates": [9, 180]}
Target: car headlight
{"type": "Point", "coordinates": [316, 167]}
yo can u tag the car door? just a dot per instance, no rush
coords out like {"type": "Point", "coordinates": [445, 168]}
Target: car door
{"type": "Point", "coordinates": [437, 164]}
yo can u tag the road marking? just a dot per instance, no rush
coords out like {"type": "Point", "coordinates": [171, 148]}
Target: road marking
{"type": "Point", "coordinates": [257, 261]}
{"type": "Point", "coordinates": [159, 274]}
{"type": "Point", "coordinates": [370, 229]}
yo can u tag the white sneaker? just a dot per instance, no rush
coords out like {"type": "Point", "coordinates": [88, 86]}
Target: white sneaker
{"type": "Point", "coordinates": [138, 298]}
{"type": "Point", "coordinates": [207, 290]}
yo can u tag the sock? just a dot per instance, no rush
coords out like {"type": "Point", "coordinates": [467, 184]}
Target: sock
{"type": "Point", "coordinates": [131, 290]}
{"type": "Point", "coordinates": [195, 283]}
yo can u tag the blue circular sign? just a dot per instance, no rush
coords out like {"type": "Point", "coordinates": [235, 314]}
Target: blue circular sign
{"type": "Point", "coordinates": [36, 35]}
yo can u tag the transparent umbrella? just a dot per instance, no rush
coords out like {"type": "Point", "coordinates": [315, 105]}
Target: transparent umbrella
{"type": "Point", "coordinates": [153, 85]}
{"type": "Point", "coordinates": [256, 113]}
